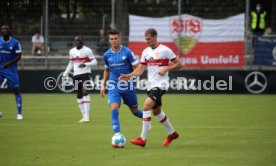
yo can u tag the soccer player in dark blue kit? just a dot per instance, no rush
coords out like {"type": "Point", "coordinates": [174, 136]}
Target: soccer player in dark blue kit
{"type": "Point", "coordinates": [119, 60]}
{"type": "Point", "coordinates": [10, 53]}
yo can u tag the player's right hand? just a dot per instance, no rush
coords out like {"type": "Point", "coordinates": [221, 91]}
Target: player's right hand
{"type": "Point", "coordinates": [124, 77]}
{"type": "Point", "coordinates": [102, 92]}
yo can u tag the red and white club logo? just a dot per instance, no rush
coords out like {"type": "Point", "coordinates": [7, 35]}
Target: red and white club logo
{"type": "Point", "coordinates": [186, 31]}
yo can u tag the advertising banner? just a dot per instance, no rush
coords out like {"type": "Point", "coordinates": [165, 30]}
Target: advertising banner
{"type": "Point", "coordinates": [203, 43]}
{"type": "Point", "coordinates": [181, 82]}
{"type": "Point", "coordinates": [265, 51]}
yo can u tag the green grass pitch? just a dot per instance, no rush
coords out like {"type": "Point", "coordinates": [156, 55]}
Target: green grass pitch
{"type": "Point", "coordinates": [215, 130]}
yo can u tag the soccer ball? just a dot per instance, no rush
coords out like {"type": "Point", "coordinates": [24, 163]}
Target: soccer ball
{"type": "Point", "coordinates": [118, 141]}
{"type": "Point", "coordinates": [1, 114]}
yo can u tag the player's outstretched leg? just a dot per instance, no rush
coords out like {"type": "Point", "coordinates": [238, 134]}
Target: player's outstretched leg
{"type": "Point", "coordinates": [172, 134]}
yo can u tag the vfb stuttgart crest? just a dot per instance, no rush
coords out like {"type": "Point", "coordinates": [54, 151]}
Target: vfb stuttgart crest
{"type": "Point", "coordinates": [185, 31]}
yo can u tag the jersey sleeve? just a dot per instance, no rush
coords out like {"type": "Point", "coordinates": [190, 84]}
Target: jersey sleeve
{"type": "Point", "coordinates": [33, 39]}
{"type": "Point", "coordinates": [17, 48]}
{"type": "Point", "coordinates": [143, 58]}
{"type": "Point", "coordinates": [70, 55]}
{"type": "Point", "coordinates": [41, 39]}
{"type": "Point", "coordinates": [93, 60]}
{"type": "Point", "coordinates": [90, 54]}
{"type": "Point", "coordinates": [171, 54]}
{"type": "Point", "coordinates": [131, 58]}
{"type": "Point", "coordinates": [105, 61]}
{"type": "Point", "coordinates": [70, 65]}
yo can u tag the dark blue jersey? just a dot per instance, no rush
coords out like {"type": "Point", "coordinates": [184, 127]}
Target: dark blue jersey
{"type": "Point", "coordinates": [8, 51]}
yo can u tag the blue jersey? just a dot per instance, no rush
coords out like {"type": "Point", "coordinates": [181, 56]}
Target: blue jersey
{"type": "Point", "coordinates": [8, 51]}
{"type": "Point", "coordinates": [118, 63]}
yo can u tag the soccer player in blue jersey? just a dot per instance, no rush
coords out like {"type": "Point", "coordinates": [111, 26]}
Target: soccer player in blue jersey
{"type": "Point", "coordinates": [10, 53]}
{"type": "Point", "coordinates": [119, 60]}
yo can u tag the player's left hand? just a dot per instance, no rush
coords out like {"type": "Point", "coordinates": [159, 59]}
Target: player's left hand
{"type": "Point", "coordinates": [82, 65]}
{"type": "Point", "coordinates": [102, 92]}
{"type": "Point", "coordinates": [162, 72]}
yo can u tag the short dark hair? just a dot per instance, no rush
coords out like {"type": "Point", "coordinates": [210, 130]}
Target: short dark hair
{"type": "Point", "coordinates": [114, 32]}
{"type": "Point", "coordinates": [79, 36]}
{"type": "Point", "coordinates": [151, 31]}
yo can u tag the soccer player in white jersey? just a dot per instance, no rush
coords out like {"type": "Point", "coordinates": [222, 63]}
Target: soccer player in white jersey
{"type": "Point", "coordinates": [156, 59]}
{"type": "Point", "coordinates": [81, 60]}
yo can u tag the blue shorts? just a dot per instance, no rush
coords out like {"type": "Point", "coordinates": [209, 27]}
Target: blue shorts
{"type": "Point", "coordinates": [11, 76]}
{"type": "Point", "coordinates": [129, 97]}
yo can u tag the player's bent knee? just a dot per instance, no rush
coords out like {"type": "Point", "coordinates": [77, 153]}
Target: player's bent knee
{"type": "Point", "coordinates": [156, 111]}
{"type": "Point", "coordinates": [147, 107]}
{"type": "Point", "coordinates": [133, 110]}
{"type": "Point", "coordinates": [115, 106]}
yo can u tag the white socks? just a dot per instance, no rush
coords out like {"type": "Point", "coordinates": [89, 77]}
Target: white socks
{"type": "Point", "coordinates": [162, 118]}
{"type": "Point", "coordinates": [84, 105]}
{"type": "Point", "coordinates": [146, 124]}
{"type": "Point", "coordinates": [86, 102]}
{"type": "Point", "coordinates": [81, 106]}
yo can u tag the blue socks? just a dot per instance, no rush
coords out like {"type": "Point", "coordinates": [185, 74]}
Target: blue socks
{"type": "Point", "coordinates": [115, 121]}
{"type": "Point", "coordinates": [18, 99]}
{"type": "Point", "coordinates": [138, 113]}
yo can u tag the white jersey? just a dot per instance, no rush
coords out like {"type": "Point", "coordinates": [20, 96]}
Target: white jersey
{"type": "Point", "coordinates": [157, 59]}
{"type": "Point", "coordinates": [37, 40]}
{"type": "Point", "coordinates": [77, 57]}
